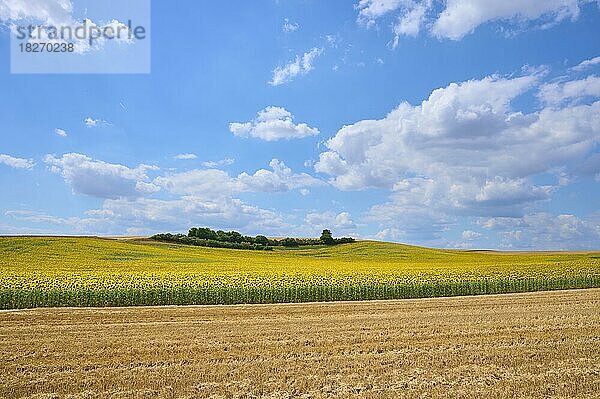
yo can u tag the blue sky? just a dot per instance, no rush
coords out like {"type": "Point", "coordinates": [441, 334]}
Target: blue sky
{"type": "Point", "coordinates": [454, 124]}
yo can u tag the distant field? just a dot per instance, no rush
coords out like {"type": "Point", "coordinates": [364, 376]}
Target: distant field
{"type": "Point", "coordinates": [64, 271]}
{"type": "Point", "coordinates": [532, 345]}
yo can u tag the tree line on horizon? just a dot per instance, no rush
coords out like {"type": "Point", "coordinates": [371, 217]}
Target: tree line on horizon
{"type": "Point", "coordinates": [206, 237]}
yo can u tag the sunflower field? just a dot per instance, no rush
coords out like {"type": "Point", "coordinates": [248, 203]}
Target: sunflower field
{"type": "Point", "coordinates": [65, 271]}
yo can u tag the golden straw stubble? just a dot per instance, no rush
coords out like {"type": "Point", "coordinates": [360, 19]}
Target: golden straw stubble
{"type": "Point", "coordinates": [533, 345]}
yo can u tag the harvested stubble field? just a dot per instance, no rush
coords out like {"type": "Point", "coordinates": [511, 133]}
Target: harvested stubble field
{"type": "Point", "coordinates": [532, 345]}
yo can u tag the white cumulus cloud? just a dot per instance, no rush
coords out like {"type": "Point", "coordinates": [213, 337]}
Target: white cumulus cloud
{"type": "Point", "coordinates": [215, 183]}
{"type": "Point", "coordinates": [273, 123]}
{"type": "Point", "coordinates": [59, 13]}
{"type": "Point", "coordinates": [411, 22]}
{"type": "Point", "coordinates": [279, 178]}
{"type": "Point", "coordinates": [461, 17]}
{"type": "Point", "coordinates": [583, 65]}
{"type": "Point", "coordinates": [16, 163]}
{"type": "Point", "coordinates": [573, 90]}
{"type": "Point", "coordinates": [463, 151]}
{"type": "Point", "coordinates": [370, 10]}
{"type": "Point", "coordinates": [454, 19]}
{"type": "Point", "coordinates": [546, 231]}
{"type": "Point", "coordinates": [146, 216]}
{"type": "Point", "coordinates": [339, 223]}
{"type": "Point", "coordinates": [47, 11]}
{"type": "Point", "coordinates": [101, 179]}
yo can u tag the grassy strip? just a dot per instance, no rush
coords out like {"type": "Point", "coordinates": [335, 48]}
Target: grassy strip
{"type": "Point", "coordinates": [12, 298]}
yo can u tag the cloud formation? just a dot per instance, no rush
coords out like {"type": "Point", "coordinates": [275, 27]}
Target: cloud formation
{"type": "Point", "coordinates": [543, 230]}
{"type": "Point", "coordinates": [571, 91]}
{"type": "Point", "coordinates": [301, 65]}
{"type": "Point", "coordinates": [195, 197]}
{"type": "Point", "coordinates": [219, 163]}
{"type": "Point", "coordinates": [464, 151]}
{"type": "Point", "coordinates": [186, 156]}
{"type": "Point", "coordinates": [583, 65]}
{"type": "Point", "coordinates": [289, 26]}
{"type": "Point", "coordinates": [470, 235]}
{"type": "Point", "coordinates": [53, 12]}
{"type": "Point", "coordinates": [16, 163]}
{"type": "Point", "coordinates": [454, 19]}
{"type": "Point", "coordinates": [339, 223]}
{"type": "Point", "coordinates": [58, 13]}
{"type": "Point", "coordinates": [101, 179]}
{"type": "Point", "coordinates": [279, 178]}
{"type": "Point", "coordinates": [271, 124]}
{"type": "Point", "coordinates": [461, 17]}
{"type": "Point", "coordinates": [60, 132]}
{"type": "Point", "coordinates": [146, 216]}
{"type": "Point", "coordinates": [215, 183]}
{"type": "Point", "coordinates": [92, 122]}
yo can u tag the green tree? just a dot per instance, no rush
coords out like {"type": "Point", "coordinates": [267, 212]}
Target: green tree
{"type": "Point", "coordinates": [203, 232]}
{"type": "Point", "coordinates": [289, 242]}
{"type": "Point", "coordinates": [234, 236]}
{"type": "Point", "coordinates": [262, 240]}
{"type": "Point", "coordinates": [327, 238]}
